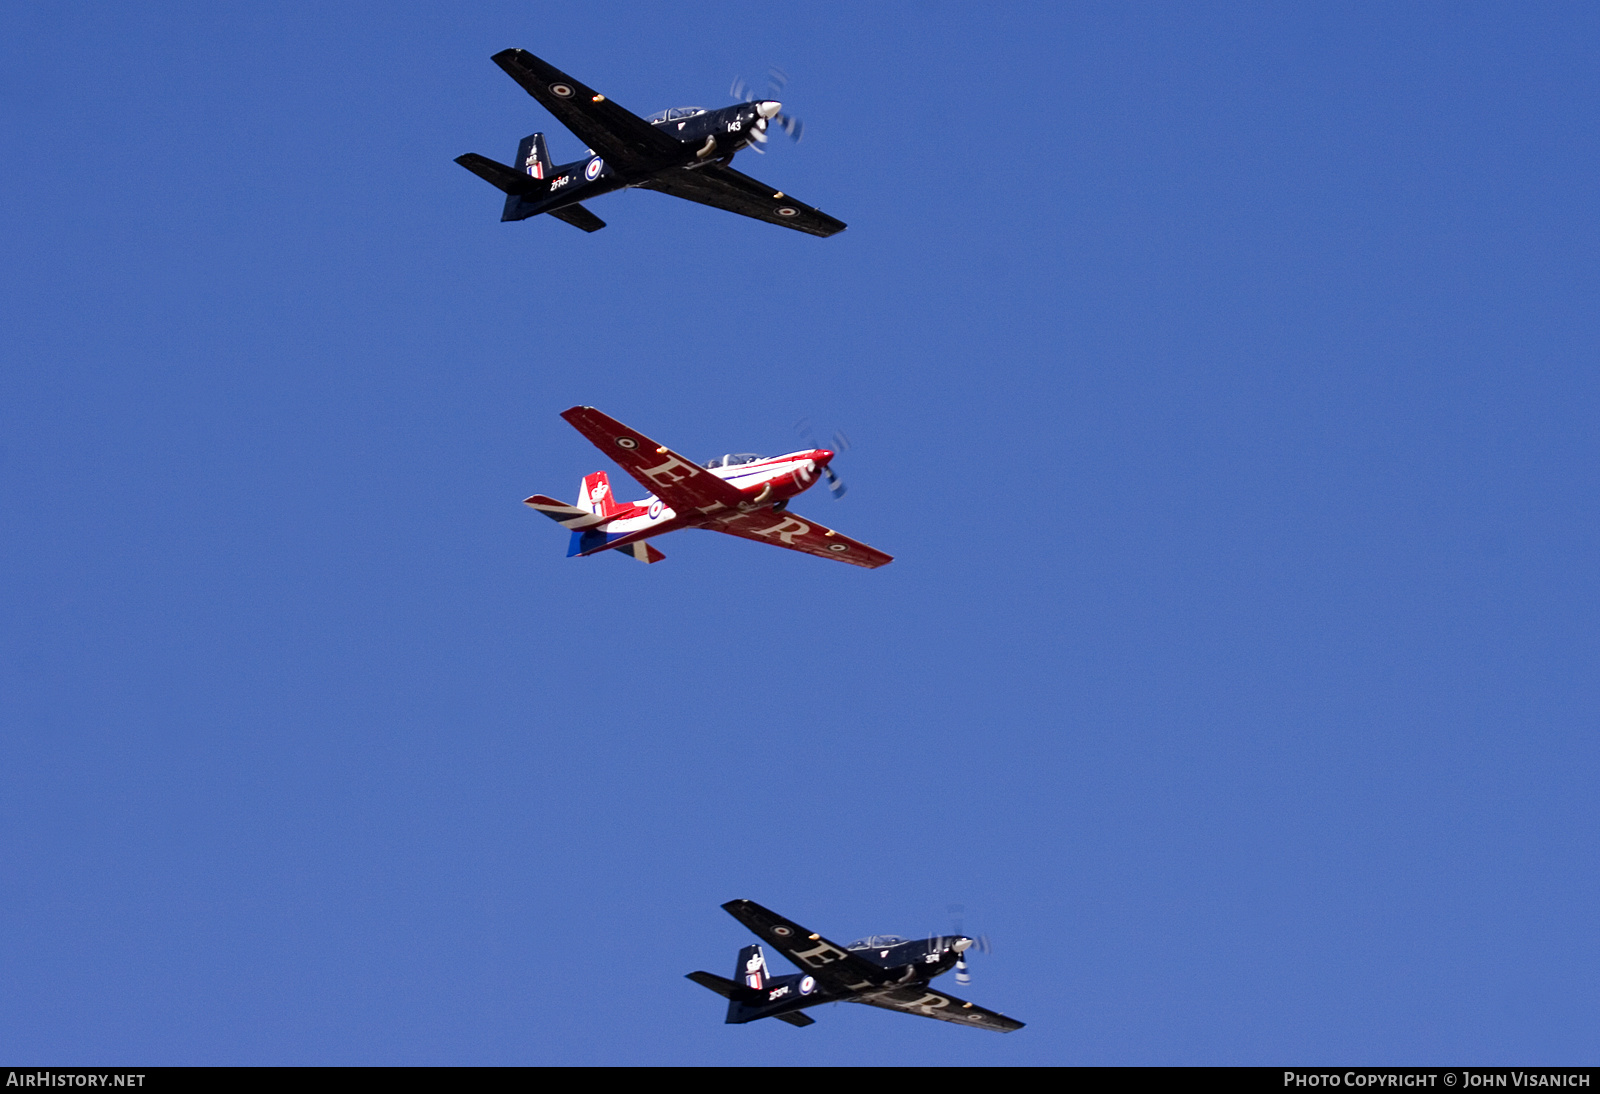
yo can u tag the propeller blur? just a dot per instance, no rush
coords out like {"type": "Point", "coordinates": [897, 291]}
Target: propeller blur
{"type": "Point", "coordinates": [769, 107]}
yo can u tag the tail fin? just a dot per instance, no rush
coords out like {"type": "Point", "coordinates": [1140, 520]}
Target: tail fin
{"type": "Point", "coordinates": [744, 991]}
{"type": "Point", "coordinates": [532, 157]}
{"type": "Point", "coordinates": [595, 494]}
{"type": "Point", "coordinates": [529, 179]}
{"type": "Point", "coordinates": [751, 993]}
{"type": "Point", "coordinates": [751, 969]}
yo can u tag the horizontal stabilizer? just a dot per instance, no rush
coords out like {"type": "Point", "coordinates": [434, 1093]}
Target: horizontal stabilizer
{"type": "Point", "coordinates": [502, 177]}
{"type": "Point", "coordinates": [568, 516]}
{"type": "Point", "coordinates": [578, 217]}
{"type": "Point", "coordinates": [743, 997]}
{"type": "Point", "coordinates": [719, 984]}
{"type": "Point", "coordinates": [641, 551]}
{"type": "Point", "coordinates": [594, 539]}
{"type": "Point", "coordinates": [587, 534]}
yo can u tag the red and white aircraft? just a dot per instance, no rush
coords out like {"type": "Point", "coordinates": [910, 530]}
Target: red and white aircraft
{"type": "Point", "coordinates": [744, 495]}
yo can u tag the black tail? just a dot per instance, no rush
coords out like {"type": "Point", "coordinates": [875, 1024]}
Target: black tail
{"type": "Point", "coordinates": [533, 161]}
{"type": "Point", "coordinates": [528, 183]}
{"type": "Point", "coordinates": [741, 1012]}
{"type": "Point", "coordinates": [529, 180]}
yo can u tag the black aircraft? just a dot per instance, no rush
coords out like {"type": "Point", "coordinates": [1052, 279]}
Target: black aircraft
{"type": "Point", "coordinates": [683, 152]}
{"type": "Point", "coordinates": [881, 971]}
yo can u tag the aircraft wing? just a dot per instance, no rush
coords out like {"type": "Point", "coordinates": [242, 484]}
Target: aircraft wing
{"type": "Point", "coordinates": [798, 533]}
{"type": "Point", "coordinates": [680, 482]}
{"type": "Point", "coordinates": [623, 138]}
{"type": "Point", "coordinates": [835, 967]}
{"type": "Point", "coordinates": [723, 187]}
{"type": "Point", "coordinates": [922, 999]}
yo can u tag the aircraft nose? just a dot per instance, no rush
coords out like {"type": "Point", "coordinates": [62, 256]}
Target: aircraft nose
{"type": "Point", "coordinates": [822, 456]}
{"type": "Point", "coordinates": [961, 945]}
{"type": "Point", "coordinates": [768, 108]}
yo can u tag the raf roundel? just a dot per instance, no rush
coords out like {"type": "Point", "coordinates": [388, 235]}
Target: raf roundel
{"type": "Point", "coordinates": [808, 984]}
{"type": "Point", "coordinates": [788, 211]}
{"type": "Point", "coordinates": [781, 931]}
{"type": "Point", "coordinates": [627, 442]}
{"type": "Point", "coordinates": [592, 172]}
{"type": "Point", "coordinates": [561, 91]}
{"type": "Point", "coordinates": [838, 547]}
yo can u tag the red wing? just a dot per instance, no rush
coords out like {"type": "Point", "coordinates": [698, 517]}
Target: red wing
{"type": "Point", "coordinates": [681, 483]}
{"type": "Point", "coordinates": [800, 534]}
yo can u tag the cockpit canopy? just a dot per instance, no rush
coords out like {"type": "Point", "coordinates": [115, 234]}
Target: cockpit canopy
{"type": "Point", "coordinates": [735, 459]}
{"type": "Point", "coordinates": [877, 942]}
{"type": "Point", "coordinates": [675, 114]}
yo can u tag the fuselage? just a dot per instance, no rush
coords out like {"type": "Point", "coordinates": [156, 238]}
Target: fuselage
{"type": "Point", "coordinates": [917, 960]}
{"type": "Point", "coordinates": [913, 962]}
{"type": "Point", "coordinates": [705, 136]}
{"type": "Point", "coordinates": [764, 481]}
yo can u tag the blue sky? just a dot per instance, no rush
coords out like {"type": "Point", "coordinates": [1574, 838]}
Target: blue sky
{"type": "Point", "coordinates": [1222, 377]}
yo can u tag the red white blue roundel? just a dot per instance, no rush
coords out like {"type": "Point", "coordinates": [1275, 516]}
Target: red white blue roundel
{"type": "Point", "coordinates": [808, 984]}
{"type": "Point", "coordinates": [592, 172]}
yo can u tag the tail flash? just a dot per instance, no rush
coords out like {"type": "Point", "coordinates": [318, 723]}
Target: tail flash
{"type": "Point", "coordinates": [595, 495]}
{"type": "Point", "coordinates": [532, 158]}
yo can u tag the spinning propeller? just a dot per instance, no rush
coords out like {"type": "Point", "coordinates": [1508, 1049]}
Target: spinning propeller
{"type": "Point", "coordinates": [980, 944]}
{"type": "Point", "coordinates": [776, 80]}
{"type": "Point", "coordinates": [840, 443]}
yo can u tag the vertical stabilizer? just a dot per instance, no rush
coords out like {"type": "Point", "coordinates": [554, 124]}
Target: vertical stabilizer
{"type": "Point", "coordinates": [751, 972]}
{"type": "Point", "coordinates": [752, 968]}
{"type": "Point", "coordinates": [532, 158]}
{"type": "Point", "coordinates": [595, 495]}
